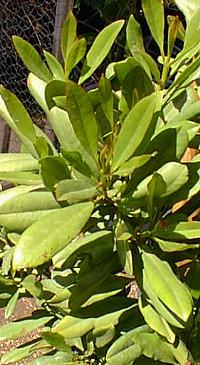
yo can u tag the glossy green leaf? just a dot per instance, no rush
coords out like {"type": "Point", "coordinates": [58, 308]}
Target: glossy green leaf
{"type": "Point", "coordinates": [56, 340]}
{"type": "Point", "coordinates": [179, 232]}
{"type": "Point", "coordinates": [8, 194]}
{"type": "Point", "coordinates": [101, 242]}
{"type": "Point", "coordinates": [20, 119]}
{"type": "Point", "coordinates": [54, 88]}
{"type": "Point", "coordinates": [75, 160]}
{"type": "Point", "coordinates": [154, 346]}
{"type": "Point", "coordinates": [189, 74]}
{"type": "Point", "coordinates": [22, 178]}
{"type": "Point", "coordinates": [68, 35]}
{"type": "Point", "coordinates": [49, 235]}
{"type": "Point", "coordinates": [128, 167]}
{"type": "Point", "coordinates": [82, 117]}
{"type": "Point", "coordinates": [97, 315]}
{"type": "Point", "coordinates": [10, 162]}
{"type": "Point", "coordinates": [7, 261]}
{"type": "Point", "coordinates": [155, 321]}
{"type": "Point", "coordinates": [156, 188]}
{"type": "Point", "coordinates": [19, 211]}
{"type": "Point", "coordinates": [106, 98]}
{"type": "Point", "coordinates": [54, 66]}
{"type": "Point", "coordinates": [188, 8]}
{"type": "Point", "coordinates": [159, 306]}
{"type": "Point", "coordinates": [36, 88]}
{"type": "Point", "coordinates": [171, 246]}
{"type": "Point", "coordinates": [27, 201]}
{"type": "Point", "coordinates": [74, 191]}
{"type": "Point", "coordinates": [31, 58]}
{"type": "Point", "coordinates": [165, 284]}
{"type": "Point", "coordinates": [134, 36]}
{"type": "Point", "coordinates": [76, 53]}
{"type": "Point", "coordinates": [12, 304]}
{"type": "Point", "coordinates": [134, 129]}
{"type": "Point", "coordinates": [100, 48]}
{"type": "Point", "coordinates": [191, 35]}
{"type": "Point", "coordinates": [154, 14]}
{"type": "Point", "coordinates": [53, 170]}
{"type": "Point", "coordinates": [59, 358]}
{"type": "Point", "coordinates": [174, 176]}
{"type": "Point", "coordinates": [59, 120]}
{"type": "Point", "coordinates": [33, 286]}
{"type": "Point", "coordinates": [16, 354]}
{"type": "Point", "coordinates": [20, 328]}
{"type": "Point", "coordinates": [125, 256]}
{"type": "Point", "coordinates": [102, 336]}
{"type": "Point", "coordinates": [18, 222]}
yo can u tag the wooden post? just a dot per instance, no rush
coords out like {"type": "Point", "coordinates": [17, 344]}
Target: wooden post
{"type": "Point", "coordinates": [62, 8]}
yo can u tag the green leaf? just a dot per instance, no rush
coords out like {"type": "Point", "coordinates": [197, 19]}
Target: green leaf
{"type": "Point", "coordinates": [55, 66]}
{"type": "Point", "coordinates": [17, 329]}
{"type": "Point", "coordinates": [12, 304]}
{"type": "Point", "coordinates": [31, 58]}
{"type": "Point", "coordinates": [11, 162]}
{"type": "Point", "coordinates": [102, 336]}
{"type": "Point", "coordinates": [20, 211]}
{"type": "Point", "coordinates": [22, 178]}
{"type": "Point", "coordinates": [154, 346]}
{"type": "Point", "coordinates": [188, 8]}
{"type": "Point", "coordinates": [26, 201]}
{"type": "Point", "coordinates": [174, 176]}
{"type": "Point", "coordinates": [68, 35]}
{"type": "Point", "coordinates": [171, 246]}
{"type": "Point", "coordinates": [95, 244]}
{"type": "Point", "coordinates": [76, 53]}
{"type": "Point", "coordinates": [33, 286]}
{"type": "Point", "coordinates": [134, 36]}
{"type": "Point", "coordinates": [125, 256]}
{"type": "Point", "coordinates": [128, 167]}
{"type": "Point", "coordinates": [53, 89]}
{"type": "Point", "coordinates": [155, 321]}
{"type": "Point", "coordinates": [179, 232]}
{"type": "Point", "coordinates": [124, 350]}
{"type": "Point", "coordinates": [154, 14]}
{"type": "Point", "coordinates": [58, 358]}
{"type": "Point", "coordinates": [61, 125]}
{"type": "Point", "coordinates": [106, 98]}
{"type": "Point", "coordinates": [74, 191]}
{"type": "Point", "coordinates": [192, 30]}
{"type": "Point", "coordinates": [53, 232]}
{"type": "Point", "coordinates": [16, 354]}
{"type": "Point", "coordinates": [53, 169]}
{"type": "Point", "coordinates": [75, 160]}
{"type": "Point", "coordinates": [100, 48]}
{"type": "Point", "coordinates": [156, 188]}
{"type": "Point", "coordinates": [56, 340]}
{"type": "Point", "coordinates": [7, 261]}
{"type": "Point", "coordinates": [20, 119]}
{"type": "Point", "coordinates": [160, 275]}
{"type": "Point", "coordinates": [36, 88]}
{"type": "Point", "coordinates": [82, 117]}
{"type": "Point", "coordinates": [134, 129]}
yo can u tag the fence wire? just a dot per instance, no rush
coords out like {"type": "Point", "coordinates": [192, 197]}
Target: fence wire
{"type": "Point", "coordinates": [34, 20]}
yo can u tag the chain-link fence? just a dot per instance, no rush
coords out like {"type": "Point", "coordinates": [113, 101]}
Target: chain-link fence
{"type": "Point", "coordinates": [34, 20]}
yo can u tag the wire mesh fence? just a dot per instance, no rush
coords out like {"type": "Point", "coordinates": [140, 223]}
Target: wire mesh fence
{"type": "Point", "coordinates": [34, 20]}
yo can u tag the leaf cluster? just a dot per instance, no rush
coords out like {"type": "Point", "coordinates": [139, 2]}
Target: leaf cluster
{"type": "Point", "coordinates": [85, 222]}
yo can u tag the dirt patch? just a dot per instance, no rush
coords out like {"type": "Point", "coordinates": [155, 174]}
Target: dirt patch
{"type": "Point", "coordinates": [24, 308]}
